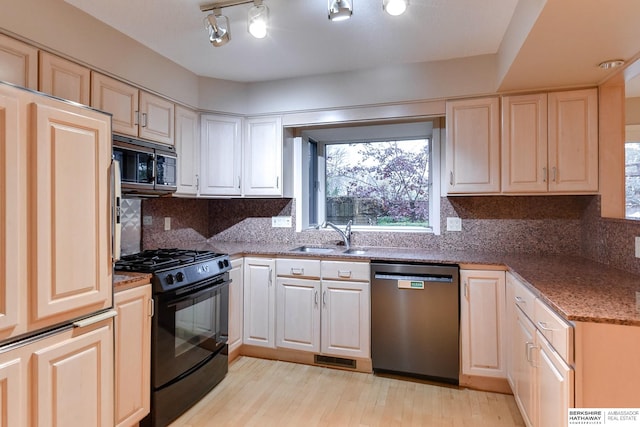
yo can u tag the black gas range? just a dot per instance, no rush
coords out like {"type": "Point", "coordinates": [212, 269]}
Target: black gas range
{"type": "Point", "coordinates": [189, 331]}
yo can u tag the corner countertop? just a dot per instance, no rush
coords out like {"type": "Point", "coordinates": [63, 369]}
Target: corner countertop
{"type": "Point", "coordinates": [123, 280]}
{"type": "Point", "coordinates": [577, 288]}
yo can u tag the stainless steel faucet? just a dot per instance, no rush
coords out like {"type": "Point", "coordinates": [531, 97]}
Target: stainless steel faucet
{"type": "Point", "coordinates": [346, 234]}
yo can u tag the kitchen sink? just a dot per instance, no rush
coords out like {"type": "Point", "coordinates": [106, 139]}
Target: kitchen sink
{"type": "Point", "coordinates": [312, 249]}
{"type": "Point", "coordinates": [354, 251]}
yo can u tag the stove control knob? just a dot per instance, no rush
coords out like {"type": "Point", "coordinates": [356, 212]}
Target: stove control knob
{"type": "Point", "coordinates": [169, 279]}
{"type": "Point", "coordinates": [220, 265]}
{"type": "Point", "coordinates": [180, 276]}
{"type": "Point", "coordinates": [226, 263]}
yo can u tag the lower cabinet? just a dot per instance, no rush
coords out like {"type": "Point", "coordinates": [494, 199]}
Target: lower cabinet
{"type": "Point", "coordinates": [482, 311]}
{"type": "Point", "coordinates": [542, 380]}
{"type": "Point", "coordinates": [133, 354]}
{"type": "Point", "coordinates": [236, 301]}
{"type": "Point", "coordinates": [259, 302]}
{"type": "Point", "coordinates": [65, 379]}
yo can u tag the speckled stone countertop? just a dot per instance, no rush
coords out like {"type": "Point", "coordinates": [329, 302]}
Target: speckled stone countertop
{"type": "Point", "coordinates": [576, 288]}
{"type": "Point", "coordinates": [123, 280]}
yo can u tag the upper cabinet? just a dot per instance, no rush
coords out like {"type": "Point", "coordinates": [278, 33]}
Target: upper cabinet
{"type": "Point", "coordinates": [64, 79]}
{"type": "Point", "coordinates": [188, 150]}
{"type": "Point", "coordinates": [18, 63]}
{"type": "Point", "coordinates": [221, 155]}
{"type": "Point", "coordinates": [473, 146]}
{"type": "Point", "coordinates": [550, 142]}
{"type": "Point", "coordinates": [135, 112]}
{"type": "Point", "coordinates": [262, 168]}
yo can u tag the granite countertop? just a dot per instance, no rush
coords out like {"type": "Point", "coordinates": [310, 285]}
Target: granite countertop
{"type": "Point", "coordinates": [577, 288]}
{"type": "Point", "coordinates": [123, 280]}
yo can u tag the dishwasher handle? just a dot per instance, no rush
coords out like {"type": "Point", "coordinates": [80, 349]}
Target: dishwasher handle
{"type": "Point", "coordinates": [439, 278]}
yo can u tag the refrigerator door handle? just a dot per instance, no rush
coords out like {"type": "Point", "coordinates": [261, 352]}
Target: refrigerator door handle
{"type": "Point", "coordinates": [116, 206]}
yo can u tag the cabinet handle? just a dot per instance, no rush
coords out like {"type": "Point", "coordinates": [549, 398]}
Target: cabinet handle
{"type": "Point", "coordinates": [544, 327]}
{"type": "Point", "coordinates": [466, 292]}
{"type": "Point", "coordinates": [544, 174]}
{"type": "Point", "coordinates": [451, 177]}
{"type": "Point", "coordinates": [197, 183]}
{"type": "Point", "coordinates": [95, 319]}
{"type": "Point", "coordinates": [345, 274]}
{"type": "Point", "coordinates": [520, 300]}
{"type": "Point", "coordinates": [152, 308]}
{"type": "Point", "coordinates": [297, 271]}
{"type": "Point", "coordinates": [277, 182]}
{"type": "Point", "coordinates": [270, 274]}
{"type": "Point", "coordinates": [316, 298]}
{"type": "Point", "coordinates": [554, 174]}
{"type": "Point", "coordinates": [529, 346]}
{"type": "Point", "coordinates": [239, 181]}
{"type": "Point", "coordinates": [324, 298]}
{"type": "Point", "coordinates": [144, 120]}
{"type": "Point", "coordinates": [136, 118]}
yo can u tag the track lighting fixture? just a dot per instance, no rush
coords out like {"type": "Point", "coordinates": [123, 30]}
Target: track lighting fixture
{"type": "Point", "coordinates": [339, 10]}
{"type": "Point", "coordinates": [395, 7]}
{"type": "Point", "coordinates": [218, 25]}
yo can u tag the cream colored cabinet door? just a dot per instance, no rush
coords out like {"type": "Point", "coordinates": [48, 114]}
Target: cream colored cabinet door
{"type": "Point", "coordinates": [117, 98]}
{"type": "Point", "coordinates": [133, 354]}
{"type": "Point", "coordinates": [18, 63]}
{"type": "Point", "coordinates": [70, 247]}
{"type": "Point", "coordinates": [221, 155]}
{"type": "Point", "coordinates": [259, 302]}
{"type": "Point", "coordinates": [73, 378]}
{"type": "Point", "coordinates": [262, 168]}
{"type": "Point", "coordinates": [346, 318]}
{"type": "Point", "coordinates": [298, 314]}
{"type": "Point", "coordinates": [13, 214]}
{"type": "Point", "coordinates": [523, 346]}
{"type": "Point", "coordinates": [236, 302]}
{"type": "Point", "coordinates": [473, 146]}
{"type": "Point", "coordinates": [573, 141]}
{"type": "Point", "coordinates": [554, 386]}
{"type": "Point", "coordinates": [64, 79]}
{"type": "Point", "coordinates": [188, 151]}
{"type": "Point", "coordinates": [524, 143]}
{"type": "Point", "coordinates": [156, 118]}
{"type": "Point", "coordinates": [13, 389]}
{"type": "Point", "coordinates": [482, 309]}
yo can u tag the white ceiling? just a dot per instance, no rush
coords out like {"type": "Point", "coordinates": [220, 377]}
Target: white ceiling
{"type": "Point", "coordinates": [302, 41]}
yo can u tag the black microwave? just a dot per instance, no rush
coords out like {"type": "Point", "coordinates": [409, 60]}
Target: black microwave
{"type": "Point", "coordinates": [145, 168]}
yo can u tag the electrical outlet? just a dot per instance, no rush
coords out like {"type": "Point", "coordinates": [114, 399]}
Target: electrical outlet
{"type": "Point", "coordinates": [454, 223]}
{"type": "Point", "coordinates": [637, 246]}
{"type": "Point", "coordinates": [281, 221]}
{"type": "Point", "coordinates": [167, 223]}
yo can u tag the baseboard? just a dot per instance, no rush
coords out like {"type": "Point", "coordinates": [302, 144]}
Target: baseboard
{"type": "Point", "coordinates": [303, 357]}
{"type": "Point", "coordinates": [497, 385]}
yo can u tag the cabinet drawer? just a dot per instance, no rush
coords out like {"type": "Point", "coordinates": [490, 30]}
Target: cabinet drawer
{"type": "Point", "coordinates": [557, 331]}
{"type": "Point", "coordinates": [346, 270]}
{"type": "Point", "coordinates": [522, 297]}
{"type": "Point", "coordinates": [298, 267]}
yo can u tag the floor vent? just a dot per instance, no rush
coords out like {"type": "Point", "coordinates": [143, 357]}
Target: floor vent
{"type": "Point", "coordinates": [334, 361]}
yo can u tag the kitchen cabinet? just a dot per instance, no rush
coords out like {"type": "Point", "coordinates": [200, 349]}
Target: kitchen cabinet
{"type": "Point", "coordinates": [262, 165]}
{"type": "Point", "coordinates": [67, 159]}
{"type": "Point", "coordinates": [540, 353]}
{"type": "Point", "coordinates": [236, 301]}
{"type": "Point", "coordinates": [473, 146]}
{"type": "Point", "coordinates": [188, 151]}
{"type": "Point", "coordinates": [18, 63]}
{"type": "Point", "coordinates": [550, 142]}
{"type": "Point", "coordinates": [62, 379]}
{"type": "Point", "coordinates": [259, 302]}
{"type": "Point", "coordinates": [482, 311]}
{"type": "Point", "coordinates": [133, 354]}
{"type": "Point", "coordinates": [135, 112]}
{"type": "Point", "coordinates": [64, 79]}
{"type": "Point", "coordinates": [221, 155]}
{"type": "Point", "coordinates": [323, 307]}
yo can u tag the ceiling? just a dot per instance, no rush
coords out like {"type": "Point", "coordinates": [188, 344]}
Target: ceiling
{"type": "Point", "coordinates": [302, 41]}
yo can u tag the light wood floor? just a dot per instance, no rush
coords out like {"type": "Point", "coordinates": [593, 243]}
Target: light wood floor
{"type": "Point", "coordinates": [259, 392]}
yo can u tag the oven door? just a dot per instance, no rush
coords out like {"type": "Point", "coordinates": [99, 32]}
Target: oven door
{"type": "Point", "coordinates": [190, 327]}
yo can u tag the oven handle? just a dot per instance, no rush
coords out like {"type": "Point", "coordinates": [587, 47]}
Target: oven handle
{"type": "Point", "coordinates": [200, 291]}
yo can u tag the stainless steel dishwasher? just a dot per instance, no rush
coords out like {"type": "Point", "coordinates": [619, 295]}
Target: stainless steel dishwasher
{"type": "Point", "coordinates": [415, 320]}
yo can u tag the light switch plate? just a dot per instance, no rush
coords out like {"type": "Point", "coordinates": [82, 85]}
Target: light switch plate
{"type": "Point", "coordinates": [637, 246]}
{"type": "Point", "coordinates": [281, 221]}
{"type": "Point", "coordinates": [454, 223]}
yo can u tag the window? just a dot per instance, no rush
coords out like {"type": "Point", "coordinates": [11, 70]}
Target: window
{"type": "Point", "coordinates": [380, 177]}
{"type": "Point", "coordinates": [632, 179]}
